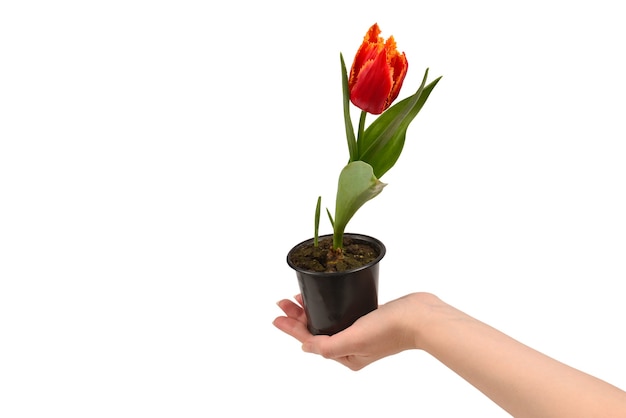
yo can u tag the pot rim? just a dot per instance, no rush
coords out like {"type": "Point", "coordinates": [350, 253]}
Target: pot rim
{"type": "Point", "coordinates": [371, 240]}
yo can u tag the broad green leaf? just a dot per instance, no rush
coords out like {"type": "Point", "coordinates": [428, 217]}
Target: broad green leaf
{"type": "Point", "coordinates": [383, 141]}
{"type": "Point", "coordinates": [357, 185]}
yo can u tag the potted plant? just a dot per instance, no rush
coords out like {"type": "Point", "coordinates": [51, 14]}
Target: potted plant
{"type": "Point", "coordinates": [338, 273]}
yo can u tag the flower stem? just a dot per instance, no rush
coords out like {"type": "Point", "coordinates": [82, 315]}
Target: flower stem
{"type": "Point", "coordinates": [361, 127]}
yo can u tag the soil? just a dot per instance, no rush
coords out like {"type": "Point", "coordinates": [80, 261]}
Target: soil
{"type": "Point", "coordinates": [323, 258]}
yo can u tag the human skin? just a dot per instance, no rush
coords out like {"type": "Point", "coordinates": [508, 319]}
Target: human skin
{"type": "Point", "coordinates": [521, 380]}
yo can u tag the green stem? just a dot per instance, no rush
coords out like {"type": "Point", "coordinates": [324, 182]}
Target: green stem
{"type": "Point", "coordinates": [361, 127]}
{"type": "Point", "coordinates": [338, 239]}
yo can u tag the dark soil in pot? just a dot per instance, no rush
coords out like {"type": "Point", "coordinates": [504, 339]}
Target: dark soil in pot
{"type": "Point", "coordinates": [323, 258]}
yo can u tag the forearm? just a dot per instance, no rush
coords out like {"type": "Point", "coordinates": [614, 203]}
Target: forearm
{"type": "Point", "coordinates": [521, 380]}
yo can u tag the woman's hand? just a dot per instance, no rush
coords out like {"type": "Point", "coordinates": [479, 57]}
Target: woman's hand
{"type": "Point", "coordinates": [386, 331]}
{"type": "Point", "coordinates": [523, 381]}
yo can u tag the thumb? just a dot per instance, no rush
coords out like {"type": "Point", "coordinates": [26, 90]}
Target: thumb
{"type": "Point", "coordinates": [335, 346]}
{"type": "Point", "coordinates": [313, 345]}
{"type": "Point", "coordinates": [309, 347]}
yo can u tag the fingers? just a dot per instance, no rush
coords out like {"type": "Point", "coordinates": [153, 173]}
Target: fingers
{"type": "Point", "coordinates": [292, 310]}
{"type": "Point", "coordinates": [293, 327]}
{"type": "Point", "coordinates": [294, 323]}
{"type": "Point", "coordinates": [336, 348]}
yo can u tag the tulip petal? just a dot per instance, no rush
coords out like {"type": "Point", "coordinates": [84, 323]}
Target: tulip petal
{"type": "Point", "coordinates": [399, 67]}
{"type": "Point", "coordinates": [373, 85]}
{"type": "Point", "coordinates": [372, 46]}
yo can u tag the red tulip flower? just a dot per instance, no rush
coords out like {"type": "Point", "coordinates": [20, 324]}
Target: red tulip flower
{"type": "Point", "coordinates": [377, 73]}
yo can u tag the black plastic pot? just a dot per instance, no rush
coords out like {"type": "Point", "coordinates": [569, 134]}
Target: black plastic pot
{"type": "Point", "coordinates": [333, 301]}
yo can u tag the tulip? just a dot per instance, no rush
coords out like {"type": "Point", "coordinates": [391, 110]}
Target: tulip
{"type": "Point", "coordinates": [377, 73]}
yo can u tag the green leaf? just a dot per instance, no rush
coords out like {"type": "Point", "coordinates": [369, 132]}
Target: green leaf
{"type": "Point", "coordinates": [352, 145]}
{"type": "Point", "coordinates": [330, 218]}
{"type": "Point", "coordinates": [317, 222]}
{"type": "Point", "coordinates": [383, 141]}
{"type": "Point", "coordinates": [357, 185]}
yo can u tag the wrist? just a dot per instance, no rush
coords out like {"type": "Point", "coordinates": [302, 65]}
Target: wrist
{"type": "Point", "coordinates": [426, 308]}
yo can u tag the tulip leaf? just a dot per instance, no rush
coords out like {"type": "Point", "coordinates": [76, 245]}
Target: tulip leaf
{"type": "Point", "coordinates": [317, 222]}
{"type": "Point", "coordinates": [352, 145]}
{"type": "Point", "coordinates": [382, 142]}
{"type": "Point", "coordinates": [357, 185]}
{"type": "Point", "coordinates": [330, 218]}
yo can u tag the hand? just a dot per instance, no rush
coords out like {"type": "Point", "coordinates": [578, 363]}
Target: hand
{"type": "Point", "coordinates": [381, 333]}
{"type": "Point", "coordinates": [518, 378]}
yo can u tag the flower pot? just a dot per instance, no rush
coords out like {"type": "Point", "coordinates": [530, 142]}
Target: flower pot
{"type": "Point", "coordinates": [334, 300]}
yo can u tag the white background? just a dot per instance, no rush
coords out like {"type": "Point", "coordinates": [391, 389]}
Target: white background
{"type": "Point", "coordinates": [158, 160]}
